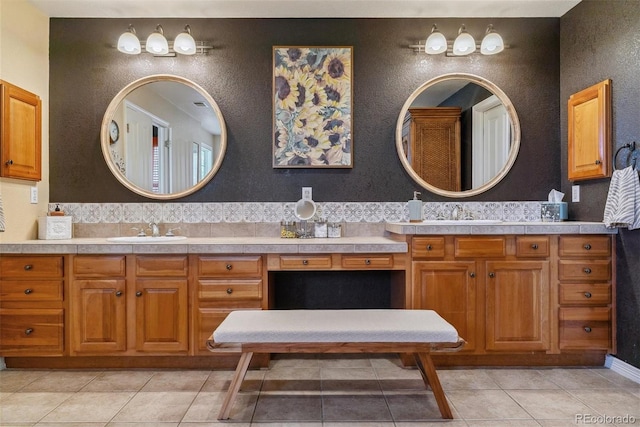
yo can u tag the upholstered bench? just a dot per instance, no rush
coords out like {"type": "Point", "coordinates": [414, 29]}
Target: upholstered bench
{"type": "Point", "coordinates": [335, 331]}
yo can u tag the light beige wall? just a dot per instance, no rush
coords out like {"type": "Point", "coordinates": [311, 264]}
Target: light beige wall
{"type": "Point", "coordinates": [24, 61]}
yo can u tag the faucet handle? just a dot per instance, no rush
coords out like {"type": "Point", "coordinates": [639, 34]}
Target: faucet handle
{"type": "Point", "coordinates": [140, 231]}
{"type": "Point", "coordinates": [170, 231]}
{"type": "Point", "coordinates": [467, 214]}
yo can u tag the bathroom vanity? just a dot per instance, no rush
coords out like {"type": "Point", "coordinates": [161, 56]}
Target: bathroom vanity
{"type": "Point", "coordinates": [520, 294]}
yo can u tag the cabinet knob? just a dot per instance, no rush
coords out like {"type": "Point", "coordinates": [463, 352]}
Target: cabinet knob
{"type": "Point", "coordinates": [8, 162]}
{"type": "Point", "coordinates": [305, 262]}
{"type": "Point", "coordinates": [587, 270]}
{"type": "Point", "coordinates": [587, 329]}
{"type": "Point", "coordinates": [587, 294]}
{"type": "Point", "coordinates": [28, 291]}
{"type": "Point", "coordinates": [28, 267]}
{"type": "Point", "coordinates": [492, 275]}
{"type": "Point", "coordinates": [598, 162]}
{"type": "Point", "coordinates": [229, 267]}
{"type": "Point", "coordinates": [139, 293]}
{"type": "Point", "coordinates": [28, 331]}
{"type": "Point", "coordinates": [587, 247]}
{"type": "Point", "coordinates": [472, 274]}
{"type": "Point", "coordinates": [229, 291]}
{"type": "Point", "coordinates": [118, 293]}
{"type": "Point", "coordinates": [367, 261]}
{"type": "Point", "coordinates": [534, 246]}
{"type": "Point", "coordinates": [429, 247]}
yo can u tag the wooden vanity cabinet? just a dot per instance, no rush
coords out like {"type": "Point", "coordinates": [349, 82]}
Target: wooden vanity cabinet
{"type": "Point", "coordinates": [32, 305]}
{"type": "Point", "coordinates": [133, 305]}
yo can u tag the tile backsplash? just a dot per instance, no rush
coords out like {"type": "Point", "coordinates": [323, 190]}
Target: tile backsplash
{"type": "Point", "coordinates": [274, 212]}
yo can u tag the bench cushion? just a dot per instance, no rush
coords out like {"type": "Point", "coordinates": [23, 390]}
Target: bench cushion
{"type": "Point", "coordinates": [304, 326]}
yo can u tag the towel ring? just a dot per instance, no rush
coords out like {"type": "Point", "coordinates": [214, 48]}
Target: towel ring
{"type": "Point", "coordinates": [632, 151]}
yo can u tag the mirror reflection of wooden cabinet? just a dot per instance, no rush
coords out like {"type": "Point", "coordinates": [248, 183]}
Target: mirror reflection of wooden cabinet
{"type": "Point", "coordinates": [433, 146]}
{"type": "Point", "coordinates": [20, 133]}
{"type": "Point", "coordinates": [589, 125]}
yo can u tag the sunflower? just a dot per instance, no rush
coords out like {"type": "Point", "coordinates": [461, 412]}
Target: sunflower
{"type": "Point", "coordinates": [338, 95]}
{"type": "Point", "coordinates": [285, 93]}
{"type": "Point", "coordinates": [304, 81]}
{"type": "Point", "coordinates": [337, 67]}
{"type": "Point", "coordinates": [293, 56]}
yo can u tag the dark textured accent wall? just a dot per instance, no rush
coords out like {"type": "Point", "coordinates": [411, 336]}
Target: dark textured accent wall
{"type": "Point", "coordinates": [87, 72]}
{"type": "Point", "coordinates": [599, 40]}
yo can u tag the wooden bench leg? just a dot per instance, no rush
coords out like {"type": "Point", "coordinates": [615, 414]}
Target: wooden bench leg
{"type": "Point", "coordinates": [234, 387]}
{"type": "Point", "coordinates": [430, 377]}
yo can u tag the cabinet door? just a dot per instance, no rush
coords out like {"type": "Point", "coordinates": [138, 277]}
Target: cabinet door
{"type": "Point", "coordinates": [20, 133]}
{"type": "Point", "coordinates": [517, 298]}
{"type": "Point", "coordinates": [449, 288]}
{"type": "Point", "coordinates": [98, 316]}
{"type": "Point", "coordinates": [161, 316]}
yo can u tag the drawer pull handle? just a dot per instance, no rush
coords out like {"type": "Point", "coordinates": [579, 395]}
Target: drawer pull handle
{"type": "Point", "coordinates": [587, 270]}
{"type": "Point", "coordinates": [8, 162]}
{"type": "Point", "coordinates": [229, 267]}
{"type": "Point", "coordinates": [118, 293]}
{"type": "Point", "coordinates": [429, 247]}
{"type": "Point", "coordinates": [587, 247]}
{"type": "Point", "coordinates": [587, 329]}
{"type": "Point", "coordinates": [28, 267]}
{"type": "Point", "coordinates": [472, 274]}
{"type": "Point", "coordinates": [492, 275]}
{"type": "Point", "coordinates": [139, 293]}
{"type": "Point", "coordinates": [534, 246]}
{"type": "Point", "coordinates": [28, 331]}
{"type": "Point", "coordinates": [305, 262]}
{"type": "Point", "coordinates": [28, 291]}
{"type": "Point", "coordinates": [587, 294]}
{"type": "Point", "coordinates": [367, 261]}
{"type": "Point", "coordinates": [229, 291]}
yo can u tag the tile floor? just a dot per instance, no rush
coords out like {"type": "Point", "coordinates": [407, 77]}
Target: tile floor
{"type": "Point", "coordinates": [318, 391]}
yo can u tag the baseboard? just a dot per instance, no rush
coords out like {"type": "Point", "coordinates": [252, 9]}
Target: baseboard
{"type": "Point", "coordinates": [622, 368]}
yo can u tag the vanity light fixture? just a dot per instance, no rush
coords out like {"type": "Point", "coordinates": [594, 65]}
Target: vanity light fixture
{"type": "Point", "coordinates": [157, 45]}
{"type": "Point", "coordinates": [463, 45]}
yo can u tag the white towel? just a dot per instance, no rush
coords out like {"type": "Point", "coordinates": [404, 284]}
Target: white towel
{"type": "Point", "coordinates": [1, 215]}
{"type": "Point", "coordinates": [623, 201]}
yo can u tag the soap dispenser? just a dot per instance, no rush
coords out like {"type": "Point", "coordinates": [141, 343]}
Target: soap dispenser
{"type": "Point", "coordinates": [415, 208]}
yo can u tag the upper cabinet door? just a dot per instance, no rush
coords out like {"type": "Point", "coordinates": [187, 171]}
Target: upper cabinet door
{"type": "Point", "coordinates": [20, 133]}
{"type": "Point", "coordinates": [590, 132]}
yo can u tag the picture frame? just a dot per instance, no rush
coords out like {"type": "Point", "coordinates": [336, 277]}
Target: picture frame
{"type": "Point", "coordinates": [312, 107]}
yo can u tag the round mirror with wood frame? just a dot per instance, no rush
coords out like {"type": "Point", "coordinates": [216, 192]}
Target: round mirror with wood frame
{"type": "Point", "coordinates": [458, 135]}
{"type": "Point", "coordinates": [163, 137]}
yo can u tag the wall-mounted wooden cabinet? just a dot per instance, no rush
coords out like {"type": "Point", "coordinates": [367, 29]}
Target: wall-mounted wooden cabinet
{"type": "Point", "coordinates": [589, 152]}
{"type": "Point", "coordinates": [20, 133]}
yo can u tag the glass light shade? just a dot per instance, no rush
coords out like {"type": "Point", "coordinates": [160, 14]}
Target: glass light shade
{"type": "Point", "coordinates": [128, 43]}
{"type": "Point", "coordinates": [491, 44]}
{"type": "Point", "coordinates": [184, 44]}
{"type": "Point", "coordinates": [436, 43]}
{"type": "Point", "coordinates": [157, 44]}
{"type": "Point", "coordinates": [464, 44]}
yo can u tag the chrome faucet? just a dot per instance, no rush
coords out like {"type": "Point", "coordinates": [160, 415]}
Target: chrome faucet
{"type": "Point", "coordinates": [457, 212]}
{"type": "Point", "coordinates": [155, 230]}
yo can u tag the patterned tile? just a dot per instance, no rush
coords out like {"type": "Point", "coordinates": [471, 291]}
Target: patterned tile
{"type": "Point", "coordinates": [532, 211]}
{"type": "Point", "coordinates": [172, 213]}
{"type": "Point", "coordinates": [252, 212]}
{"type": "Point", "coordinates": [212, 212]}
{"type": "Point", "coordinates": [273, 212]}
{"type": "Point", "coordinates": [493, 210]}
{"type": "Point", "coordinates": [475, 209]}
{"type": "Point", "coordinates": [288, 212]}
{"type": "Point", "coordinates": [151, 212]}
{"type": "Point", "coordinates": [373, 212]}
{"type": "Point", "coordinates": [394, 212]}
{"type": "Point", "coordinates": [72, 209]}
{"type": "Point", "coordinates": [131, 213]}
{"type": "Point", "coordinates": [111, 212]}
{"type": "Point", "coordinates": [513, 211]}
{"type": "Point", "coordinates": [353, 212]}
{"type": "Point", "coordinates": [333, 211]}
{"type": "Point", "coordinates": [192, 213]}
{"type": "Point", "coordinates": [232, 212]}
{"type": "Point", "coordinates": [91, 213]}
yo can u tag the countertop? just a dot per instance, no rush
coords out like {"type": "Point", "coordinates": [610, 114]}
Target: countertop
{"type": "Point", "coordinates": [565, 227]}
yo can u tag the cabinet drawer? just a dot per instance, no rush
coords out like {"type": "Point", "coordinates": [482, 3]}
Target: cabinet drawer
{"type": "Point", "coordinates": [427, 247]}
{"type": "Point", "coordinates": [584, 246]}
{"type": "Point", "coordinates": [230, 290]}
{"type": "Point", "coordinates": [31, 290]}
{"type": "Point", "coordinates": [162, 266]}
{"type": "Point", "coordinates": [480, 247]}
{"type": "Point", "coordinates": [230, 266]}
{"type": "Point", "coordinates": [585, 328]}
{"type": "Point", "coordinates": [532, 246]}
{"type": "Point", "coordinates": [34, 331]}
{"type": "Point", "coordinates": [31, 266]}
{"type": "Point", "coordinates": [305, 262]}
{"type": "Point", "coordinates": [364, 262]}
{"type": "Point", "coordinates": [584, 270]}
{"type": "Point", "coordinates": [99, 266]}
{"type": "Point", "coordinates": [585, 293]}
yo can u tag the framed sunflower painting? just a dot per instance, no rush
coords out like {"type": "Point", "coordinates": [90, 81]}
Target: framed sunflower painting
{"type": "Point", "coordinates": [312, 107]}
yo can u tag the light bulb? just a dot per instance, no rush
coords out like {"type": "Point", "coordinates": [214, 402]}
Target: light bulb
{"type": "Point", "coordinates": [184, 43]}
{"type": "Point", "coordinates": [156, 43]}
{"type": "Point", "coordinates": [436, 42]}
{"type": "Point", "coordinates": [491, 43]}
{"type": "Point", "coordinates": [464, 44]}
{"type": "Point", "coordinates": [128, 42]}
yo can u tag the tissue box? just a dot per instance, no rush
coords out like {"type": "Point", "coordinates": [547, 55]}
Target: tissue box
{"type": "Point", "coordinates": [54, 227]}
{"type": "Point", "coordinates": [554, 211]}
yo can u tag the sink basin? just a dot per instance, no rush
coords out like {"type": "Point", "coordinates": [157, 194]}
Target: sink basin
{"type": "Point", "coordinates": [460, 222]}
{"type": "Point", "coordinates": [145, 239]}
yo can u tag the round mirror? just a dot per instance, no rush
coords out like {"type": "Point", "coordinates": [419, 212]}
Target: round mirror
{"type": "Point", "coordinates": [458, 135]}
{"type": "Point", "coordinates": [163, 137]}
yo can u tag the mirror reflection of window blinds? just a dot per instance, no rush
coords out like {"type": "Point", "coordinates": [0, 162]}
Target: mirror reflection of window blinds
{"type": "Point", "coordinates": [155, 160]}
